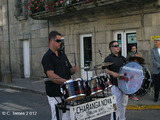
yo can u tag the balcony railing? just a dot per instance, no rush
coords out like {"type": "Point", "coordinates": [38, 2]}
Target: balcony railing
{"type": "Point", "coordinates": [52, 8]}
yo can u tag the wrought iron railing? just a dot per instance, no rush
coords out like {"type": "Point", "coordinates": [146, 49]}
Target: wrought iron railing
{"type": "Point", "coordinates": [44, 9]}
{"type": "Point", "coordinates": [49, 8]}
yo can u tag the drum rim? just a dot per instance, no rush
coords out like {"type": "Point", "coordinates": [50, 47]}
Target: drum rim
{"type": "Point", "coordinates": [92, 78]}
{"type": "Point", "coordinates": [69, 81]}
{"type": "Point", "coordinates": [95, 92]}
{"type": "Point", "coordinates": [78, 79]}
{"type": "Point", "coordinates": [74, 96]}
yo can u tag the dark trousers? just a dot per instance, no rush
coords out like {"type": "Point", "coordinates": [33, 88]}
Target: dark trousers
{"type": "Point", "coordinates": [156, 83]}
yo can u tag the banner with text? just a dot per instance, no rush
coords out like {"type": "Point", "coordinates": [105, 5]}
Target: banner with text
{"type": "Point", "coordinates": [94, 109]}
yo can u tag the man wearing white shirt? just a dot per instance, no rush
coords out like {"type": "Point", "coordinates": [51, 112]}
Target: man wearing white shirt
{"type": "Point", "coordinates": [155, 58]}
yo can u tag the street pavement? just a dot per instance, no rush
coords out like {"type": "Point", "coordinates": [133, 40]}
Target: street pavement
{"type": "Point", "coordinates": [19, 105]}
{"type": "Point", "coordinates": [38, 87]}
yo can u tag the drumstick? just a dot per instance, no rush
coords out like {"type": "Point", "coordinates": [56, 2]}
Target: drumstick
{"type": "Point", "coordinates": [100, 53]}
{"type": "Point", "coordinates": [122, 77]}
{"type": "Point", "coordinates": [45, 79]}
{"type": "Point", "coordinates": [75, 59]}
{"type": "Point", "coordinates": [122, 74]}
{"type": "Point", "coordinates": [48, 79]}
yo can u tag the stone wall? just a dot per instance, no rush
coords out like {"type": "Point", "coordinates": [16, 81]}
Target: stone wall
{"type": "Point", "coordinates": [100, 24]}
{"type": "Point", "coordinates": [36, 31]}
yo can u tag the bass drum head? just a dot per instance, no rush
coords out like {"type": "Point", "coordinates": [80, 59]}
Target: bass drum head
{"type": "Point", "coordinates": [145, 87]}
{"type": "Point", "coordinates": [132, 78]}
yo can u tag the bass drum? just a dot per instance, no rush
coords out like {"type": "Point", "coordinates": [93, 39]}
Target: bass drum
{"type": "Point", "coordinates": [135, 79]}
{"type": "Point", "coordinates": [131, 78]}
{"type": "Point", "coordinates": [146, 83]}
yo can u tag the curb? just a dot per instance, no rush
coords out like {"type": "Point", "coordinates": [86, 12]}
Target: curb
{"type": "Point", "coordinates": [22, 89]}
{"type": "Point", "coordinates": [129, 107]}
{"type": "Point", "coordinates": [143, 107]}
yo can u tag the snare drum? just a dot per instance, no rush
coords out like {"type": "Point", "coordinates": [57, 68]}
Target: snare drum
{"type": "Point", "coordinates": [93, 86]}
{"type": "Point", "coordinates": [73, 89]}
{"type": "Point", "coordinates": [104, 80]}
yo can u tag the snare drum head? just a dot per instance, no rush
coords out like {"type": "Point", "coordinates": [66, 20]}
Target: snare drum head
{"type": "Point", "coordinates": [132, 78]}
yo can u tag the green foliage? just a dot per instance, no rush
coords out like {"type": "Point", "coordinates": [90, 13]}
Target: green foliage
{"type": "Point", "coordinates": [35, 6]}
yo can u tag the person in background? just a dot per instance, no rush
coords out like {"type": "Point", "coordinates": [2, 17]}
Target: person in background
{"type": "Point", "coordinates": [133, 53]}
{"type": "Point", "coordinates": [58, 70]}
{"type": "Point", "coordinates": [113, 70]}
{"type": "Point", "coordinates": [155, 58]}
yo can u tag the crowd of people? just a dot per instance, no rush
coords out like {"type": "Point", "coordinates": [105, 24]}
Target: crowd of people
{"type": "Point", "coordinates": [58, 70]}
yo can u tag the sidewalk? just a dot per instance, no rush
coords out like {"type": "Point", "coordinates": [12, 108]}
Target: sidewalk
{"type": "Point", "coordinates": [26, 85]}
{"type": "Point", "coordinates": [38, 87]}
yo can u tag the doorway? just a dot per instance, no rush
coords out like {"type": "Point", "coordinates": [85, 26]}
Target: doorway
{"type": "Point", "coordinates": [26, 58]}
{"type": "Point", "coordinates": [86, 55]}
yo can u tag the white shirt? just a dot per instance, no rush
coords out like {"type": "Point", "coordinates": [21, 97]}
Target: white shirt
{"type": "Point", "coordinates": [158, 51]}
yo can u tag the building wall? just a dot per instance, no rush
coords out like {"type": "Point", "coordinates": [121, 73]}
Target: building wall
{"type": "Point", "coordinates": [36, 31]}
{"type": "Point", "coordinates": [104, 24]}
{"type": "Point", "coordinates": [100, 24]}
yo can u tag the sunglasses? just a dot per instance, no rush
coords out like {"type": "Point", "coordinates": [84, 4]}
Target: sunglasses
{"type": "Point", "coordinates": [115, 46]}
{"type": "Point", "coordinates": [58, 40]}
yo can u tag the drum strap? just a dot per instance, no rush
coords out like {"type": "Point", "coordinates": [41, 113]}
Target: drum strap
{"type": "Point", "coordinates": [63, 105]}
{"type": "Point", "coordinates": [57, 112]}
{"type": "Point", "coordinates": [57, 109]}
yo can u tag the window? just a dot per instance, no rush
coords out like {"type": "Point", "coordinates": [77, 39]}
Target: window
{"type": "Point", "coordinates": [125, 39]}
{"type": "Point", "coordinates": [87, 43]}
{"type": "Point", "coordinates": [21, 9]}
{"type": "Point", "coordinates": [131, 40]}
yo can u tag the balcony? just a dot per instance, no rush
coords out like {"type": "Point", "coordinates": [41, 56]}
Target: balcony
{"type": "Point", "coordinates": [71, 8]}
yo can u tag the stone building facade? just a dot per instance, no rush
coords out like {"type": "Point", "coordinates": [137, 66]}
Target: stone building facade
{"type": "Point", "coordinates": [86, 32]}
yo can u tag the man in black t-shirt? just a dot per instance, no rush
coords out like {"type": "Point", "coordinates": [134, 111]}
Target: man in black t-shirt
{"type": "Point", "coordinates": [113, 70]}
{"type": "Point", "coordinates": [58, 69]}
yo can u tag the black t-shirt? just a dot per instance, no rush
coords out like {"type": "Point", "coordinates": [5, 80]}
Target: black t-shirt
{"type": "Point", "coordinates": [118, 62]}
{"type": "Point", "coordinates": [60, 65]}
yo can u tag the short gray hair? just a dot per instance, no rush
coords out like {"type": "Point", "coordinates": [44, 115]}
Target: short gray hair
{"type": "Point", "coordinates": [157, 39]}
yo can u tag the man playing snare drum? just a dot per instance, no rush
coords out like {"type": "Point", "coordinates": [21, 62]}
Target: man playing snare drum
{"type": "Point", "coordinates": [113, 70]}
{"type": "Point", "coordinates": [58, 69]}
